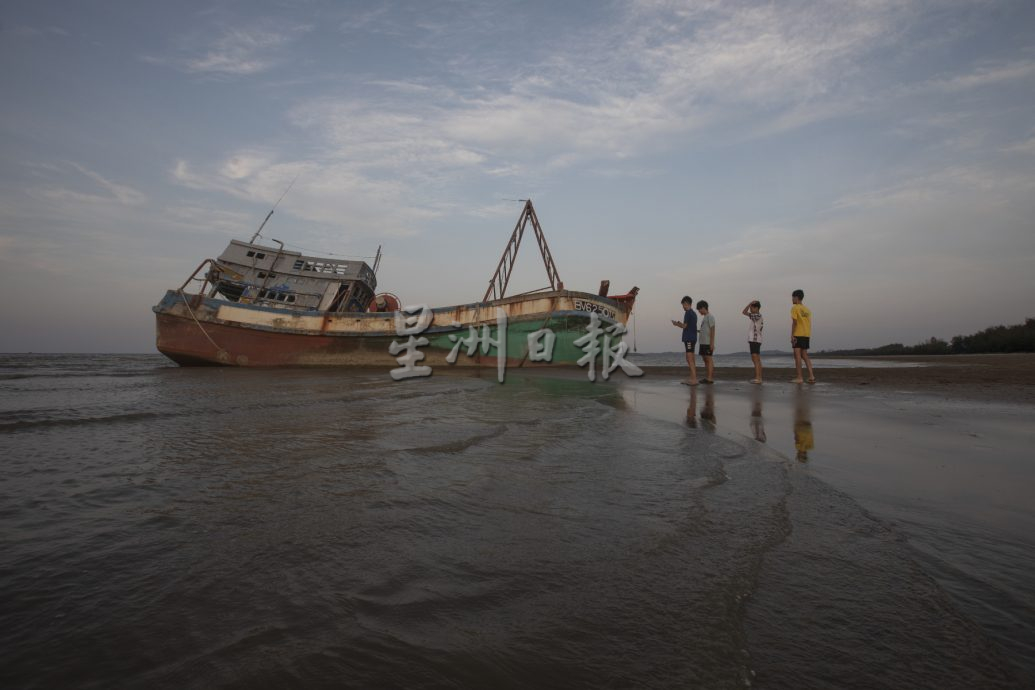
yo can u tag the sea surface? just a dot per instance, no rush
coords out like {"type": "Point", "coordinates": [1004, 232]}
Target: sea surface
{"type": "Point", "coordinates": [771, 360]}
{"type": "Point", "coordinates": [197, 528]}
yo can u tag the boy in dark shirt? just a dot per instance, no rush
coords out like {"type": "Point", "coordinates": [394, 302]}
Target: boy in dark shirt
{"type": "Point", "coordinates": [689, 326]}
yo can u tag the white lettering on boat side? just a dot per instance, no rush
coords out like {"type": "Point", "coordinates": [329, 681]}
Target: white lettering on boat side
{"type": "Point", "coordinates": [593, 307]}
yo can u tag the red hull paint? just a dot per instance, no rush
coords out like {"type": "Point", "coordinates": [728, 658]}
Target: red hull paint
{"type": "Point", "coordinates": [183, 341]}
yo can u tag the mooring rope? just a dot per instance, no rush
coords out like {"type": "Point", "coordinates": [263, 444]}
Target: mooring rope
{"type": "Point", "coordinates": [190, 311]}
{"type": "Point", "coordinates": [634, 331]}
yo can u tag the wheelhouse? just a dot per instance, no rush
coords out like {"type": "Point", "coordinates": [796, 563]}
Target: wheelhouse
{"type": "Point", "coordinates": [251, 273]}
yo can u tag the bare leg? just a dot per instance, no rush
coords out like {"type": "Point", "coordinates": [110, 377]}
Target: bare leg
{"type": "Point", "coordinates": [709, 369]}
{"type": "Point", "coordinates": [797, 365]}
{"type": "Point", "coordinates": [757, 360]}
{"type": "Point", "coordinates": [693, 368]}
{"type": "Point", "coordinates": [808, 363]}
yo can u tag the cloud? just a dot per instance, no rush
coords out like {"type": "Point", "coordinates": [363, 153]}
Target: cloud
{"type": "Point", "coordinates": [206, 220]}
{"type": "Point", "coordinates": [244, 165]}
{"type": "Point", "coordinates": [866, 287]}
{"type": "Point", "coordinates": [984, 76]}
{"type": "Point", "coordinates": [940, 186]}
{"type": "Point", "coordinates": [32, 32]}
{"type": "Point", "coordinates": [21, 253]}
{"type": "Point", "coordinates": [377, 20]}
{"type": "Point", "coordinates": [103, 192]}
{"type": "Point", "coordinates": [331, 194]}
{"type": "Point", "coordinates": [524, 126]}
{"type": "Point", "coordinates": [659, 73]}
{"type": "Point", "coordinates": [237, 51]}
{"type": "Point", "coordinates": [121, 193]}
{"type": "Point", "coordinates": [1026, 146]}
{"type": "Point", "coordinates": [656, 77]}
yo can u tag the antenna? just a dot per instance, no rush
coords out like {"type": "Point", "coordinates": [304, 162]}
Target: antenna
{"type": "Point", "coordinates": [377, 259]}
{"type": "Point", "coordinates": [270, 214]}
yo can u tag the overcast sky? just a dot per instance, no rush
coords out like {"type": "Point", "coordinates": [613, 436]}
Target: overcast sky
{"type": "Point", "coordinates": [878, 154]}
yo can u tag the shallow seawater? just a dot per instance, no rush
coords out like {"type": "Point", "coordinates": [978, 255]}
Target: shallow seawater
{"type": "Point", "coordinates": [951, 477]}
{"type": "Point", "coordinates": [773, 360]}
{"type": "Point", "coordinates": [168, 527]}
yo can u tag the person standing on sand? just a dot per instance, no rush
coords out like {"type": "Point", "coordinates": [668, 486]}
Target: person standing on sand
{"type": "Point", "coordinates": [689, 326]}
{"type": "Point", "coordinates": [706, 343]}
{"type": "Point", "coordinates": [801, 332]}
{"type": "Point", "coordinates": [753, 312]}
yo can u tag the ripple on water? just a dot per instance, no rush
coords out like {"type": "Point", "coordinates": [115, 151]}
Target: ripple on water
{"type": "Point", "coordinates": [315, 528]}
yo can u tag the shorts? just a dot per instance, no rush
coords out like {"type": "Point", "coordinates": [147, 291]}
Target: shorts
{"type": "Point", "coordinates": [689, 345]}
{"type": "Point", "coordinates": [704, 350]}
{"type": "Point", "coordinates": [801, 342]}
{"type": "Point", "coordinates": [755, 348]}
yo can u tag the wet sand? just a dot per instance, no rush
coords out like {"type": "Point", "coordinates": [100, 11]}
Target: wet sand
{"type": "Point", "coordinates": [550, 533]}
{"type": "Point", "coordinates": [940, 454]}
{"type": "Point", "coordinates": [991, 378]}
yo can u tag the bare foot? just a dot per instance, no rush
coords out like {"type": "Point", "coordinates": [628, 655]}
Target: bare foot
{"type": "Point", "coordinates": [797, 381]}
{"type": "Point", "coordinates": [756, 381]}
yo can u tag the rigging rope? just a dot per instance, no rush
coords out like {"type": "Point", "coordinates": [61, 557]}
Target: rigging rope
{"type": "Point", "coordinates": [191, 312]}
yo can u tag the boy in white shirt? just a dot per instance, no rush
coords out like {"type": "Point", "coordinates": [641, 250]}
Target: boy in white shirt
{"type": "Point", "coordinates": [706, 341]}
{"type": "Point", "coordinates": [753, 312]}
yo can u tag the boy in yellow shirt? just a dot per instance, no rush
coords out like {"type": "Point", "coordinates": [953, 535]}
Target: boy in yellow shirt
{"type": "Point", "coordinates": [801, 332]}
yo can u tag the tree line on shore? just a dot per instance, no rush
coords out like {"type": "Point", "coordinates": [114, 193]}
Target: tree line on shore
{"type": "Point", "coordinates": [1017, 338]}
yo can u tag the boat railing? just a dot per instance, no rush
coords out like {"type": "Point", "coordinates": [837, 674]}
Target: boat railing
{"type": "Point", "coordinates": [211, 277]}
{"type": "Point", "coordinates": [533, 292]}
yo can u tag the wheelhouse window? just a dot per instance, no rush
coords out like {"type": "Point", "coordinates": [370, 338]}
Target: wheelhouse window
{"type": "Point", "coordinates": [330, 267]}
{"type": "Point", "coordinates": [277, 296]}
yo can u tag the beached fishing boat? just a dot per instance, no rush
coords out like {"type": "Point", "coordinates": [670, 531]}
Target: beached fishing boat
{"type": "Point", "coordinates": [263, 306]}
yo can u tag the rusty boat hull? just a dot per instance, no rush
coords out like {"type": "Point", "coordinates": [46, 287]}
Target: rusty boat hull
{"type": "Point", "coordinates": [199, 330]}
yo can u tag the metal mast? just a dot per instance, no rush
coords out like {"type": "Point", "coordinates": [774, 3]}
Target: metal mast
{"type": "Point", "coordinates": [498, 283]}
{"type": "Point", "coordinates": [258, 233]}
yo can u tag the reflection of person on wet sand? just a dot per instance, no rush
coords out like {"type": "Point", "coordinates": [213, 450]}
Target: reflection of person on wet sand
{"type": "Point", "coordinates": [691, 410]}
{"type": "Point", "coordinates": [757, 424]}
{"type": "Point", "coordinates": [708, 413]}
{"type": "Point", "coordinates": [803, 440]}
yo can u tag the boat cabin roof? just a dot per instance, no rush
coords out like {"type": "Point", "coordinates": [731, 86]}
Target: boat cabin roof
{"type": "Point", "coordinates": [245, 257]}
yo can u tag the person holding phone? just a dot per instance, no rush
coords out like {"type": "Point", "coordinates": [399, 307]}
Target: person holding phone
{"type": "Point", "coordinates": [689, 327]}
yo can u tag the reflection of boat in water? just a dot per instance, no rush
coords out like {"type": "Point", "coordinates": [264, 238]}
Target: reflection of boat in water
{"type": "Point", "coordinates": [266, 306]}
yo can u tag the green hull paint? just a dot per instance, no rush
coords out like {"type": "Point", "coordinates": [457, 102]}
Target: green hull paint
{"type": "Point", "coordinates": [567, 330]}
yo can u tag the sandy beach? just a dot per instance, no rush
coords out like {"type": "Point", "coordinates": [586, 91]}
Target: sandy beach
{"type": "Point", "coordinates": [940, 452]}
{"type": "Point", "coordinates": [636, 529]}
{"type": "Point", "coordinates": [992, 378]}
